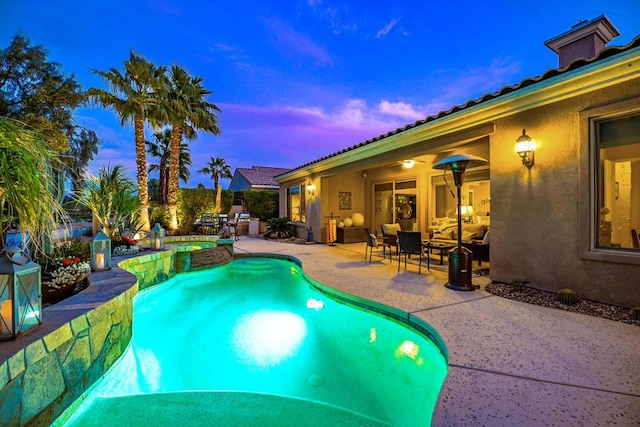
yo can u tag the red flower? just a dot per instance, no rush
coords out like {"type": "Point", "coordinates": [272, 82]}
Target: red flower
{"type": "Point", "coordinates": [67, 261]}
{"type": "Point", "coordinates": [76, 259]}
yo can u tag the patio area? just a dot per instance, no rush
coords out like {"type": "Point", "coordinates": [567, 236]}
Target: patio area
{"type": "Point", "coordinates": [511, 363]}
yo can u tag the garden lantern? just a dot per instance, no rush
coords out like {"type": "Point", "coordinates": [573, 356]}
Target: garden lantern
{"type": "Point", "coordinates": [156, 236]}
{"type": "Point", "coordinates": [101, 252]}
{"type": "Point", "coordinates": [20, 294]}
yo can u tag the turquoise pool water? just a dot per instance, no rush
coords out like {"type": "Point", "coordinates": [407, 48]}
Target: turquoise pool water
{"type": "Point", "coordinates": [255, 342]}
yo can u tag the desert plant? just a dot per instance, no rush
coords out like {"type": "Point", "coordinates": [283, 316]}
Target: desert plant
{"type": "Point", "coordinates": [112, 198]}
{"type": "Point", "coordinates": [278, 228]}
{"type": "Point", "coordinates": [519, 283]}
{"type": "Point", "coordinates": [634, 313]}
{"type": "Point", "coordinates": [27, 183]}
{"type": "Point", "coordinates": [568, 296]}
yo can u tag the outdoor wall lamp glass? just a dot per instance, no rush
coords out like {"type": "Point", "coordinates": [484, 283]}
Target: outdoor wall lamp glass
{"type": "Point", "coordinates": [525, 147]}
{"type": "Point", "coordinates": [311, 189]}
{"type": "Point", "coordinates": [100, 252]}
{"type": "Point", "coordinates": [156, 237]}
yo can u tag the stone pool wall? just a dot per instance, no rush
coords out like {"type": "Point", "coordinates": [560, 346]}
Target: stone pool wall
{"type": "Point", "coordinates": [44, 372]}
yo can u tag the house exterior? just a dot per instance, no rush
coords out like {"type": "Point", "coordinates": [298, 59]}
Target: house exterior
{"type": "Point", "coordinates": [563, 222]}
{"type": "Point", "coordinates": [256, 178]}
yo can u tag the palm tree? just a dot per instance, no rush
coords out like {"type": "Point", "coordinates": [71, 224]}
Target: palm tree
{"type": "Point", "coordinates": [131, 94]}
{"type": "Point", "coordinates": [186, 110]}
{"type": "Point", "coordinates": [217, 168]}
{"type": "Point", "coordinates": [161, 149]}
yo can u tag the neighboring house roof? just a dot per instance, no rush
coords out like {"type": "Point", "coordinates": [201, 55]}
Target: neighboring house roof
{"type": "Point", "coordinates": [256, 177]}
{"type": "Point", "coordinates": [604, 53]}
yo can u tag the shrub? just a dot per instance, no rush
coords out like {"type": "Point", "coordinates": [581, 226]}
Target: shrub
{"type": "Point", "coordinates": [568, 296]}
{"type": "Point", "coordinates": [278, 228]}
{"type": "Point", "coordinates": [159, 214]}
{"type": "Point", "coordinates": [519, 283]}
{"type": "Point", "coordinates": [261, 204]}
{"type": "Point", "coordinates": [73, 248]}
{"type": "Point", "coordinates": [634, 313]}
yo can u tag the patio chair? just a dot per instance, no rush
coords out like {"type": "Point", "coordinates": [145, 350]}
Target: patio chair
{"type": "Point", "coordinates": [390, 236]}
{"type": "Point", "coordinates": [372, 242]}
{"type": "Point", "coordinates": [410, 243]}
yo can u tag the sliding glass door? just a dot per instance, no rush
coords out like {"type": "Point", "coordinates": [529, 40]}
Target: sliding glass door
{"type": "Point", "coordinates": [395, 202]}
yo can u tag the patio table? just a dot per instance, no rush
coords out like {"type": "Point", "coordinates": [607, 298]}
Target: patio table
{"type": "Point", "coordinates": [442, 247]}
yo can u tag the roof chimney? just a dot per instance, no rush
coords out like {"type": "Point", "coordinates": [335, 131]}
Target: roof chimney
{"type": "Point", "coordinates": [584, 40]}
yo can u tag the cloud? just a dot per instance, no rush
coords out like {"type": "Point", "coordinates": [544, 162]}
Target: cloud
{"type": "Point", "coordinates": [385, 30]}
{"type": "Point", "coordinates": [295, 44]}
{"type": "Point", "coordinates": [399, 109]}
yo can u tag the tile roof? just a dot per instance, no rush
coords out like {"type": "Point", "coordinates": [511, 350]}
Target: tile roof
{"type": "Point", "coordinates": [262, 175]}
{"type": "Point", "coordinates": [578, 63]}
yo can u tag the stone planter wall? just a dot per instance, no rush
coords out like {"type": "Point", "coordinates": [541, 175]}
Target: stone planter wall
{"type": "Point", "coordinates": [43, 373]}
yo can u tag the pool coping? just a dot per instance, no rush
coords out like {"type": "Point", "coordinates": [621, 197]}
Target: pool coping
{"type": "Point", "coordinates": [45, 370]}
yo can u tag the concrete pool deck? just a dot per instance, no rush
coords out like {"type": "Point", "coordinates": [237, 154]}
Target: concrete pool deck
{"type": "Point", "coordinates": [510, 363]}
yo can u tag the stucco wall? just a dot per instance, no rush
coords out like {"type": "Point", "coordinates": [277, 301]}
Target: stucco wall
{"type": "Point", "coordinates": [535, 216]}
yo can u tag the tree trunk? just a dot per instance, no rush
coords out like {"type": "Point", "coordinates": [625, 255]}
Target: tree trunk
{"type": "Point", "coordinates": [162, 184]}
{"type": "Point", "coordinates": [141, 165]}
{"type": "Point", "coordinates": [216, 184]}
{"type": "Point", "coordinates": [174, 163]}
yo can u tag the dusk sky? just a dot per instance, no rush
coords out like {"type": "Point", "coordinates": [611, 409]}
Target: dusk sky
{"type": "Point", "coordinates": [297, 80]}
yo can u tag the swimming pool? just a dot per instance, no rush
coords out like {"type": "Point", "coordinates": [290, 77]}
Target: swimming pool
{"type": "Point", "coordinates": [255, 342]}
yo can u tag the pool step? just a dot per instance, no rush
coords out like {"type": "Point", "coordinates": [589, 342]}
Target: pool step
{"type": "Point", "coordinates": [216, 409]}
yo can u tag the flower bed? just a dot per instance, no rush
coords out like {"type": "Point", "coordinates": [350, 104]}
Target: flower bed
{"type": "Point", "coordinates": [63, 278]}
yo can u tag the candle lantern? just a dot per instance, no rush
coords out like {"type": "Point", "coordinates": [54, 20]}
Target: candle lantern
{"type": "Point", "coordinates": [20, 294]}
{"type": "Point", "coordinates": [101, 252]}
{"type": "Point", "coordinates": [156, 236]}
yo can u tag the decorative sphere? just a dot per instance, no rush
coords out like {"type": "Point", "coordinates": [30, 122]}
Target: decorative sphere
{"type": "Point", "coordinates": [348, 222]}
{"type": "Point", "coordinates": [341, 224]}
{"type": "Point", "coordinates": [357, 219]}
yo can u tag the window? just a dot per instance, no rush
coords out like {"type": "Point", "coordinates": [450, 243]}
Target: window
{"type": "Point", "coordinates": [296, 204]}
{"type": "Point", "coordinates": [617, 181]}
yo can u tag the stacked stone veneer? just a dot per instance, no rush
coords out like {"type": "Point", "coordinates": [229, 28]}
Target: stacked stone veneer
{"type": "Point", "coordinates": [47, 370]}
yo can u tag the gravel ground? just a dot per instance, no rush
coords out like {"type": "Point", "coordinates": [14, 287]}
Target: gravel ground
{"type": "Point", "coordinates": [548, 299]}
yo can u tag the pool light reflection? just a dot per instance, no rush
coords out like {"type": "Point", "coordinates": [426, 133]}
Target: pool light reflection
{"type": "Point", "coordinates": [266, 338]}
{"type": "Point", "coordinates": [314, 303]}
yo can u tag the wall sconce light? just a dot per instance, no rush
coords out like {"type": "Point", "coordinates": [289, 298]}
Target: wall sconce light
{"type": "Point", "coordinates": [364, 174]}
{"type": "Point", "coordinates": [311, 189]}
{"type": "Point", "coordinates": [525, 147]}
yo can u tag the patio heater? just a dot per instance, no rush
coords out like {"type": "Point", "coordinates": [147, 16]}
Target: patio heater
{"type": "Point", "coordinates": [460, 258]}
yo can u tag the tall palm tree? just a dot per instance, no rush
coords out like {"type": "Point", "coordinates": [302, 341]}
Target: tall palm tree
{"type": "Point", "coordinates": [217, 168]}
{"type": "Point", "coordinates": [161, 149]}
{"type": "Point", "coordinates": [131, 94]}
{"type": "Point", "coordinates": [185, 108]}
